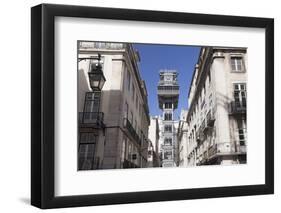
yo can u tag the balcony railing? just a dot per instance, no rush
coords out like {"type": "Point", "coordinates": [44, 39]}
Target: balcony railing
{"type": "Point", "coordinates": [238, 107]}
{"type": "Point", "coordinates": [227, 148]}
{"type": "Point", "coordinates": [163, 82]}
{"type": "Point", "coordinates": [210, 118]}
{"type": "Point", "coordinates": [128, 164]}
{"type": "Point", "coordinates": [91, 119]}
{"type": "Point", "coordinates": [132, 131]}
{"type": "Point", "coordinates": [168, 90]}
{"type": "Point", "coordinates": [101, 45]}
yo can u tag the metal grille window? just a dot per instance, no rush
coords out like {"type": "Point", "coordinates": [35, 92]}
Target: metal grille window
{"type": "Point", "coordinates": [237, 64]}
{"type": "Point", "coordinates": [168, 116]}
{"type": "Point", "coordinates": [168, 128]}
{"type": "Point", "coordinates": [168, 155]}
{"type": "Point", "coordinates": [240, 97]}
{"type": "Point", "coordinates": [168, 141]}
{"type": "Point", "coordinates": [168, 105]}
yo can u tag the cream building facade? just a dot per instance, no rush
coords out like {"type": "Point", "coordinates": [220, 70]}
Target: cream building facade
{"type": "Point", "coordinates": [216, 118]}
{"type": "Point", "coordinates": [113, 124]}
{"type": "Point", "coordinates": [182, 136]}
{"type": "Point", "coordinates": [153, 135]}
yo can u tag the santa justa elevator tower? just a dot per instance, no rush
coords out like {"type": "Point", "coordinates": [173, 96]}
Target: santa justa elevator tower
{"type": "Point", "coordinates": [168, 95]}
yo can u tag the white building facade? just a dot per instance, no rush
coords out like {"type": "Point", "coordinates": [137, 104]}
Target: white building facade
{"type": "Point", "coordinates": [216, 118]}
{"type": "Point", "coordinates": [153, 135]}
{"type": "Point", "coordinates": [182, 136]}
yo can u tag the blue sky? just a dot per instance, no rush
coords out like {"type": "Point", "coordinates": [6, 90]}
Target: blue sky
{"type": "Point", "coordinates": [157, 57]}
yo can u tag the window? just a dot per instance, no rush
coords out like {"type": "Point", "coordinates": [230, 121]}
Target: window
{"type": "Point", "coordinates": [92, 102]}
{"type": "Point", "coordinates": [236, 64]}
{"type": "Point", "coordinates": [168, 128]}
{"type": "Point", "coordinates": [168, 155]}
{"type": "Point", "coordinates": [168, 116]}
{"type": "Point", "coordinates": [91, 107]}
{"type": "Point", "coordinates": [203, 95]}
{"type": "Point", "coordinates": [87, 144]}
{"type": "Point", "coordinates": [242, 131]}
{"type": "Point", "coordinates": [129, 150]}
{"type": "Point", "coordinates": [240, 98]}
{"type": "Point", "coordinates": [168, 141]}
{"type": "Point", "coordinates": [88, 137]}
{"type": "Point", "coordinates": [86, 155]}
{"type": "Point", "coordinates": [168, 77]}
{"type": "Point", "coordinates": [168, 105]}
{"type": "Point", "coordinates": [126, 110]}
{"type": "Point", "coordinates": [128, 80]}
{"type": "Point", "coordinates": [133, 97]}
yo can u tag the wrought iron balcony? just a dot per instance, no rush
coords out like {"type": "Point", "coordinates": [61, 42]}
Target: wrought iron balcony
{"type": "Point", "coordinates": [226, 148]}
{"type": "Point", "coordinates": [210, 118]}
{"type": "Point", "coordinates": [132, 131]}
{"type": "Point", "coordinates": [91, 119]}
{"type": "Point", "coordinates": [238, 107]}
{"type": "Point", "coordinates": [128, 164]}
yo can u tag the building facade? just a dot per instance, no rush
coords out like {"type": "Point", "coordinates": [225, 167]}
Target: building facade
{"type": "Point", "coordinates": [168, 94]}
{"type": "Point", "coordinates": [182, 135]}
{"type": "Point", "coordinates": [216, 118]}
{"type": "Point", "coordinates": [113, 123]}
{"type": "Point", "coordinates": [153, 135]}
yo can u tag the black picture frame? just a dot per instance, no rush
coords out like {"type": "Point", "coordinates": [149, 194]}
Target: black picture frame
{"type": "Point", "coordinates": [43, 102]}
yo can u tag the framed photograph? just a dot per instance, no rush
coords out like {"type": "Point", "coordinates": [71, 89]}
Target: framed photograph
{"type": "Point", "coordinates": [136, 106]}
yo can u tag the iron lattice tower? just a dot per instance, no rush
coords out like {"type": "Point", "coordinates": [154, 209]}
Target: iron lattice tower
{"type": "Point", "coordinates": [168, 95]}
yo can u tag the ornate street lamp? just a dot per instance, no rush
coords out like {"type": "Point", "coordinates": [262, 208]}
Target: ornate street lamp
{"type": "Point", "coordinates": [96, 77]}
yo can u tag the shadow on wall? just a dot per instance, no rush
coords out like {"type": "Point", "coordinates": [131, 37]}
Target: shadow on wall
{"type": "Point", "coordinates": [25, 200]}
